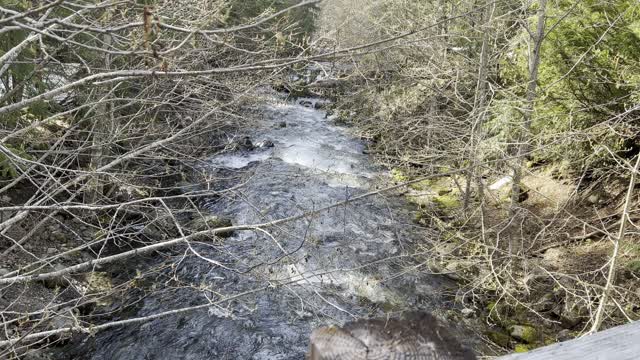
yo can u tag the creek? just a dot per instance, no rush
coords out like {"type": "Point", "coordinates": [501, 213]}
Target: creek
{"type": "Point", "coordinates": [351, 261]}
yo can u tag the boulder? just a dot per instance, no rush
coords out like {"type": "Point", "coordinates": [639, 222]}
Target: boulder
{"type": "Point", "coordinates": [265, 144]}
{"type": "Point", "coordinates": [58, 281]}
{"type": "Point", "coordinates": [414, 336]}
{"type": "Point", "coordinates": [61, 322]}
{"type": "Point", "coordinates": [320, 104]}
{"type": "Point", "coordinates": [525, 333]}
{"type": "Point", "coordinates": [564, 335]}
{"type": "Point", "coordinates": [244, 144]}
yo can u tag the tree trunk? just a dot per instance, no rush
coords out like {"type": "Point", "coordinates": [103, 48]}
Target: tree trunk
{"type": "Point", "coordinates": [479, 111]}
{"type": "Point", "coordinates": [524, 134]}
{"type": "Point", "coordinates": [103, 119]}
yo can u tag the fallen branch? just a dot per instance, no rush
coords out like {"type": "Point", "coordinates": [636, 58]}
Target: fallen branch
{"type": "Point", "coordinates": [184, 239]}
{"type": "Point", "coordinates": [611, 277]}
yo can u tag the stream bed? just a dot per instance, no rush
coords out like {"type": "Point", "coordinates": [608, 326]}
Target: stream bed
{"type": "Point", "coordinates": [348, 262]}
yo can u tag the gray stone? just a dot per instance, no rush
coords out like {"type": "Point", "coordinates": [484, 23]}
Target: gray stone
{"type": "Point", "coordinates": [467, 312]}
{"type": "Point", "coordinates": [57, 236]}
{"type": "Point", "coordinates": [61, 322]}
{"type": "Point", "coordinates": [564, 335]}
{"type": "Point", "coordinates": [86, 257]}
{"type": "Point", "coordinates": [4, 271]}
{"type": "Point", "coordinates": [319, 105]}
{"type": "Point", "coordinates": [244, 144]}
{"type": "Point", "coordinates": [58, 281]}
{"type": "Point", "coordinates": [546, 303]}
{"type": "Point", "coordinates": [572, 314]}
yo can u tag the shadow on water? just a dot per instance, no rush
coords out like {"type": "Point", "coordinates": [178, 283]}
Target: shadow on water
{"type": "Point", "coordinates": [345, 263]}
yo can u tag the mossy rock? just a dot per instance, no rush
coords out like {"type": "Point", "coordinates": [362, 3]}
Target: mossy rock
{"type": "Point", "coordinates": [499, 338]}
{"type": "Point", "coordinates": [525, 333]}
{"type": "Point", "coordinates": [522, 348]}
{"type": "Point", "coordinates": [100, 282]}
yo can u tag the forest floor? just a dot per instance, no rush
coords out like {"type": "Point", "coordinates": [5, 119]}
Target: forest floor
{"type": "Point", "coordinates": [564, 226]}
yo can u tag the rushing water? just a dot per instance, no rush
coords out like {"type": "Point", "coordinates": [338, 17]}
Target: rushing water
{"type": "Point", "coordinates": [344, 263]}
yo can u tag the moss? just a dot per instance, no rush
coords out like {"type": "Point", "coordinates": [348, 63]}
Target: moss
{"type": "Point", "coordinates": [419, 217]}
{"type": "Point", "coordinates": [634, 266]}
{"type": "Point", "coordinates": [521, 348]}
{"type": "Point", "coordinates": [499, 338]}
{"type": "Point", "coordinates": [447, 201]}
{"type": "Point", "coordinates": [525, 333]}
{"type": "Point", "coordinates": [422, 185]}
{"type": "Point", "coordinates": [491, 306]}
{"type": "Point", "coordinates": [398, 175]}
